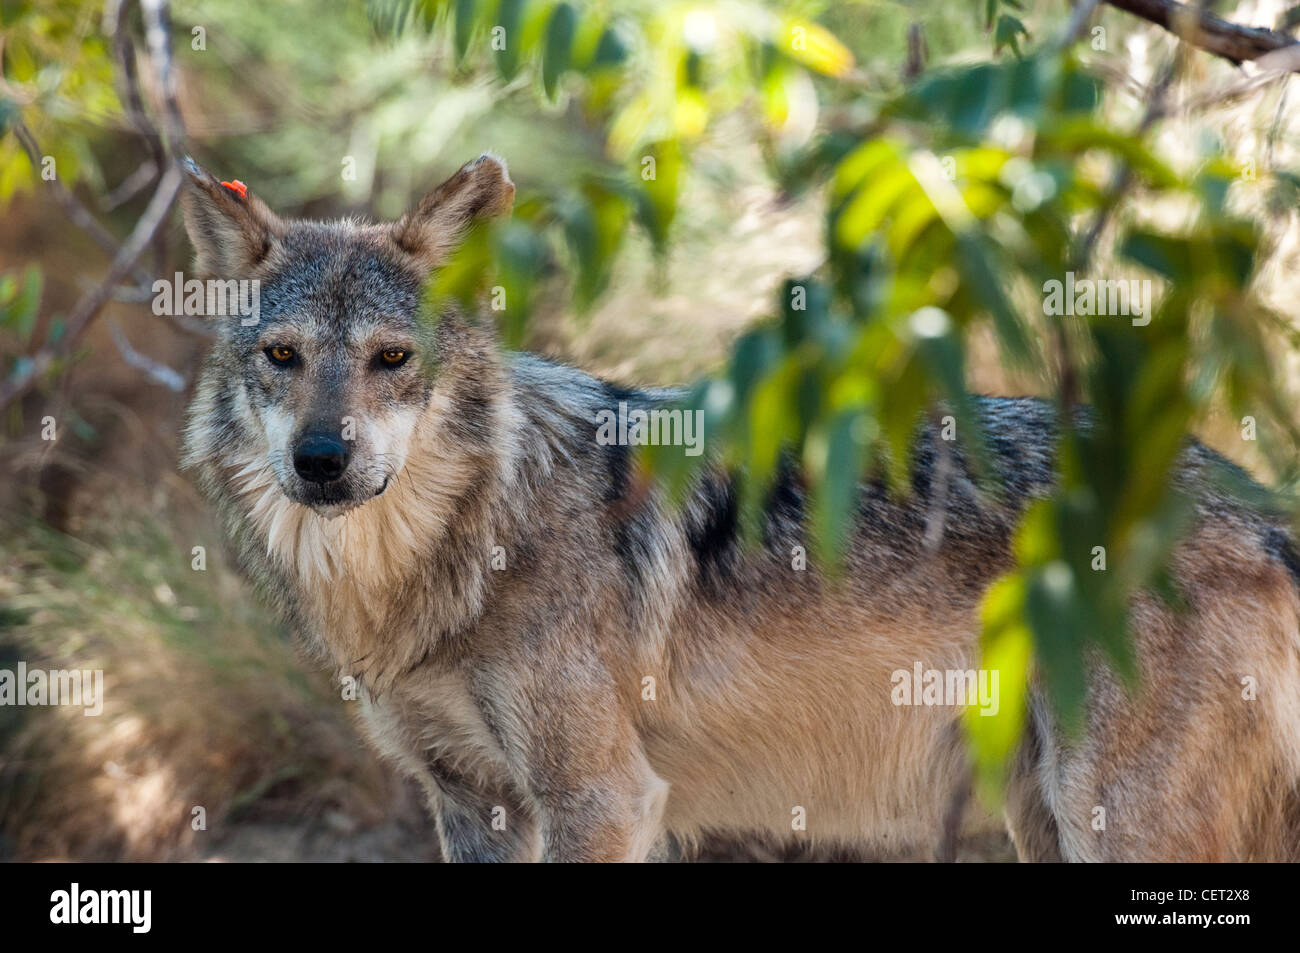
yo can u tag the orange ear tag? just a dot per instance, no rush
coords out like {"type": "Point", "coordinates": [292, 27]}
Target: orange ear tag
{"type": "Point", "coordinates": [237, 186]}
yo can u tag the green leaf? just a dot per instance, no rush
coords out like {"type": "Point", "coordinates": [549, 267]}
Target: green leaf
{"type": "Point", "coordinates": [813, 46]}
{"type": "Point", "coordinates": [559, 46]}
{"type": "Point", "coordinates": [8, 114]}
{"type": "Point", "coordinates": [27, 307]}
{"type": "Point", "coordinates": [836, 488]}
{"type": "Point", "coordinates": [657, 198]}
{"type": "Point", "coordinates": [1009, 29]}
{"type": "Point", "coordinates": [989, 289]}
{"type": "Point", "coordinates": [1006, 645]}
{"type": "Point", "coordinates": [1167, 256]}
{"type": "Point", "coordinates": [610, 51]}
{"type": "Point", "coordinates": [463, 277]}
{"type": "Point", "coordinates": [509, 16]}
{"type": "Point", "coordinates": [520, 254]}
{"type": "Point", "coordinates": [465, 10]}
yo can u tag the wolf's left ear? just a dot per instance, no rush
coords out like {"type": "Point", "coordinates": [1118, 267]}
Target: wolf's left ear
{"type": "Point", "coordinates": [231, 230]}
{"type": "Point", "coordinates": [430, 231]}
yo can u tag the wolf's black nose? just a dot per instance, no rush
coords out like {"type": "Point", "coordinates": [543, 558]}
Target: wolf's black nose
{"type": "Point", "coordinates": [321, 457]}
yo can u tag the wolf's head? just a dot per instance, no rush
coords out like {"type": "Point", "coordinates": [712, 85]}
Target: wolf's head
{"type": "Point", "coordinates": [335, 369]}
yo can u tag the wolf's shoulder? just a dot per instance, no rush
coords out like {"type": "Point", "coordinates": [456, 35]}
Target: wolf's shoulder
{"type": "Point", "coordinates": [552, 380]}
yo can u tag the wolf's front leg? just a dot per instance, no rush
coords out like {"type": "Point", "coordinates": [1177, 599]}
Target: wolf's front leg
{"type": "Point", "coordinates": [611, 817]}
{"type": "Point", "coordinates": [478, 822]}
{"type": "Point", "coordinates": [574, 750]}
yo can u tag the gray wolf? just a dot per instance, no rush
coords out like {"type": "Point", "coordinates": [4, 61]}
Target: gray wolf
{"type": "Point", "coordinates": [575, 671]}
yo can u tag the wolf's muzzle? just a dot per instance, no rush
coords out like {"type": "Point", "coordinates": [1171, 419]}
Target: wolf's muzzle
{"type": "Point", "coordinates": [321, 457]}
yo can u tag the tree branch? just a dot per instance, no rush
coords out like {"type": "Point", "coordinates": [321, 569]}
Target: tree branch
{"type": "Point", "coordinates": [78, 213]}
{"type": "Point", "coordinates": [157, 371]}
{"type": "Point", "coordinates": [132, 100]}
{"type": "Point", "coordinates": [90, 304]}
{"type": "Point", "coordinates": [1211, 33]}
{"type": "Point", "coordinates": [158, 42]}
{"type": "Point", "coordinates": [157, 22]}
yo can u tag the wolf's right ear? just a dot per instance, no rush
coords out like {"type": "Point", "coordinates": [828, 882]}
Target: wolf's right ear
{"type": "Point", "coordinates": [480, 189]}
{"type": "Point", "coordinates": [231, 230]}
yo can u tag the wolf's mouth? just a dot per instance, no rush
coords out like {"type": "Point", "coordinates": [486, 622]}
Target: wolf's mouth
{"type": "Point", "coordinates": [326, 502]}
{"type": "Point", "coordinates": [331, 504]}
{"type": "Point", "coordinates": [334, 498]}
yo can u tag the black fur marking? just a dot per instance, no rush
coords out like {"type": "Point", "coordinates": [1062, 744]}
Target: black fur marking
{"type": "Point", "coordinates": [1279, 546]}
{"type": "Point", "coordinates": [634, 547]}
{"type": "Point", "coordinates": [633, 529]}
{"type": "Point", "coordinates": [618, 467]}
{"type": "Point", "coordinates": [618, 458]}
{"type": "Point", "coordinates": [786, 510]}
{"type": "Point", "coordinates": [712, 532]}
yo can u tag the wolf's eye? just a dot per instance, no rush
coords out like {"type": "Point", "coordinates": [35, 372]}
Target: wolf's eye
{"type": "Point", "coordinates": [280, 355]}
{"type": "Point", "coordinates": [393, 357]}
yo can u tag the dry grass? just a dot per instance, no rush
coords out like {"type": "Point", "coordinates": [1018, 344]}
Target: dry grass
{"type": "Point", "coordinates": [205, 705]}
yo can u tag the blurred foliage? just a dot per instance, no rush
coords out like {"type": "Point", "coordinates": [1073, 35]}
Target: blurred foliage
{"type": "Point", "coordinates": [20, 299]}
{"type": "Point", "coordinates": [952, 200]}
{"type": "Point", "coordinates": [1006, 26]}
{"type": "Point", "coordinates": [652, 80]}
{"type": "Point", "coordinates": [58, 74]}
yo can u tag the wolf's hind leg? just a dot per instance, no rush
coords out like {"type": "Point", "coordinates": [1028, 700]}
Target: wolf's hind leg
{"type": "Point", "coordinates": [1029, 820]}
{"type": "Point", "coordinates": [1195, 761]}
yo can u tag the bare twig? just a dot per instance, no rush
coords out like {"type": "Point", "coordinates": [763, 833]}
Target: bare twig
{"type": "Point", "coordinates": [158, 42]}
{"type": "Point", "coordinates": [1227, 95]}
{"type": "Point", "coordinates": [131, 97]}
{"type": "Point", "coordinates": [1124, 175]}
{"type": "Point", "coordinates": [90, 304]}
{"type": "Point", "coordinates": [131, 186]}
{"type": "Point", "coordinates": [916, 51]}
{"type": "Point", "coordinates": [78, 213]}
{"type": "Point", "coordinates": [1069, 385]}
{"type": "Point", "coordinates": [1276, 126]}
{"type": "Point", "coordinates": [1203, 29]}
{"type": "Point", "coordinates": [147, 228]}
{"type": "Point", "coordinates": [1272, 68]}
{"type": "Point", "coordinates": [1079, 18]}
{"type": "Point", "coordinates": [157, 35]}
{"type": "Point", "coordinates": [142, 289]}
{"type": "Point", "coordinates": [160, 372]}
{"type": "Point", "coordinates": [1119, 76]}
